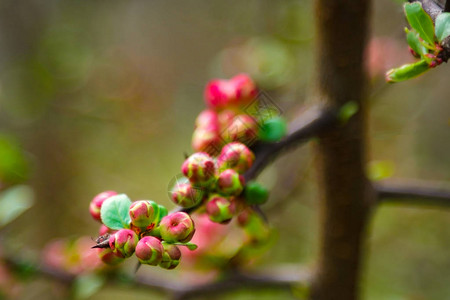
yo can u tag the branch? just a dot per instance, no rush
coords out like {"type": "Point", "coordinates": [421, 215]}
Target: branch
{"type": "Point", "coordinates": [308, 125]}
{"type": "Point", "coordinates": [416, 192]}
{"type": "Point", "coordinates": [279, 278]}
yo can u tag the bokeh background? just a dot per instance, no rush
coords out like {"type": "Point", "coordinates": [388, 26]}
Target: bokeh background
{"type": "Point", "coordinates": [103, 95]}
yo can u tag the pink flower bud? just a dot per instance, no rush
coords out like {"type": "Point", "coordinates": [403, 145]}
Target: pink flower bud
{"type": "Point", "coordinates": [123, 242]}
{"type": "Point", "coordinates": [230, 183]}
{"type": "Point", "coordinates": [207, 119]}
{"type": "Point", "coordinates": [243, 128]}
{"type": "Point", "coordinates": [149, 251]}
{"type": "Point", "coordinates": [245, 89]}
{"type": "Point", "coordinates": [96, 204]}
{"type": "Point", "coordinates": [177, 227]}
{"type": "Point", "coordinates": [226, 117]}
{"type": "Point", "coordinates": [207, 140]}
{"type": "Point", "coordinates": [220, 209]}
{"type": "Point", "coordinates": [199, 168]}
{"type": "Point", "coordinates": [104, 230]}
{"type": "Point", "coordinates": [109, 257]}
{"type": "Point", "coordinates": [144, 213]}
{"type": "Point", "coordinates": [219, 93]}
{"type": "Point", "coordinates": [235, 156]}
{"type": "Point", "coordinates": [171, 257]}
{"type": "Point", "coordinates": [185, 195]}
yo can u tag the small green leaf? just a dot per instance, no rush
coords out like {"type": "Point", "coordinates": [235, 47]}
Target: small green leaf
{"type": "Point", "coordinates": [420, 21]}
{"type": "Point", "coordinates": [406, 72]}
{"type": "Point", "coordinates": [443, 26]}
{"type": "Point", "coordinates": [191, 246]}
{"type": "Point", "coordinates": [14, 201]}
{"type": "Point", "coordinates": [114, 212]}
{"type": "Point", "coordinates": [414, 42]}
{"type": "Point", "coordinates": [87, 285]}
{"type": "Point", "coordinates": [347, 111]}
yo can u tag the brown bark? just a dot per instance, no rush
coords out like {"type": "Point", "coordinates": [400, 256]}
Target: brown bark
{"type": "Point", "coordinates": [346, 194]}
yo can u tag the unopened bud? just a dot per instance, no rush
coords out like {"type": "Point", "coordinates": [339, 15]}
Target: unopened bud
{"type": "Point", "coordinates": [235, 156]}
{"type": "Point", "coordinates": [255, 193]}
{"type": "Point", "coordinates": [177, 227]}
{"type": "Point", "coordinates": [243, 129]}
{"type": "Point", "coordinates": [171, 257]}
{"type": "Point", "coordinates": [273, 129]}
{"type": "Point", "coordinates": [207, 140]}
{"type": "Point", "coordinates": [109, 257]}
{"type": "Point", "coordinates": [144, 213]}
{"type": "Point", "coordinates": [245, 89]}
{"type": "Point", "coordinates": [105, 229]}
{"type": "Point", "coordinates": [123, 242]}
{"type": "Point", "coordinates": [230, 183]}
{"type": "Point", "coordinates": [220, 209]}
{"type": "Point", "coordinates": [219, 93]}
{"type": "Point", "coordinates": [97, 202]}
{"type": "Point", "coordinates": [207, 119]}
{"type": "Point", "coordinates": [149, 251]}
{"type": "Point", "coordinates": [199, 169]}
{"type": "Point", "coordinates": [185, 195]}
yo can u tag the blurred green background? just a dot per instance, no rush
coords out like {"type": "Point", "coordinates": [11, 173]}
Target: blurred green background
{"type": "Point", "coordinates": [103, 95]}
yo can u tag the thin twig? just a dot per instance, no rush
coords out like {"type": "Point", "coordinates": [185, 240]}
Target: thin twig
{"type": "Point", "coordinates": [412, 191]}
{"type": "Point", "coordinates": [308, 125]}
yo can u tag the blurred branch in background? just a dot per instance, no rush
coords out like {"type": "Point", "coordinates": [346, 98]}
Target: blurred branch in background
{"type": "Point", "coordinates": [280, 277]}
{"type": "Point", "coordinates": [413, 191]}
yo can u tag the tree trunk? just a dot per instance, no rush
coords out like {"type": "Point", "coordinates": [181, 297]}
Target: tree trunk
{"type": "Point", "coordinates": [346, 195]}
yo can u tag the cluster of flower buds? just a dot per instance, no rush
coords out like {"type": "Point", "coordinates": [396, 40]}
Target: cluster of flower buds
{"type": "Point", "coordinates": [143, 228]}
{"type": "Point", "coordinates": [218, 183]}
{"type": "Point", "coordinates": [233, 115]}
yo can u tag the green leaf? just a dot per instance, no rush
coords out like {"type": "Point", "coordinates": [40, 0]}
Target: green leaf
{"type": "Point", "coordinates": [414, 42]}
{"type": "Point", "coordinates": [420, 21]}
{"type": "Point", "coordinates": [14, 201]}
{"type": "Point", "coordinates": [406, 72]}
{"type": "Point", "coordinates": [191, 246]}
{"type": "Point", "coordinates": [443, 26]}
{"type": "Point", "coordinates": [114, 212]}
{"type": "Point", "coordinates": [87, 285]}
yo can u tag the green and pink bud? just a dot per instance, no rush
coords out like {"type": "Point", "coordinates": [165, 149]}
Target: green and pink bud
{"type": "Point", "coordinates": [177, 228]}
{"type": "Point", "coordinates": [209, 120]}
{"type": "Point", "coordinates": [171, 257]}
{"type": "Point", "coordinates": [123, 242]}
{"type": "Point", "coordinates": [109, 257]}
{"type": "Point", "coordinates": [185, 195]}
{"type": "Point", "coordinates": [230, 183]}
{"type": "Point", "coordinates": [220, 209]}
{"type": "Point", "coordinates": [219, 93]}
{"type": "Point", "coordinates": [245, 89]}
{"type": "Point", "coordinates": [207, 140]}
{"type": "Point", "coordinates": [144, 213]}
{"type": "Point", "coordinates": [236, 156]}
{"type": "Point", "coordinates": [244, 129]}
{"type": "Point", "coordinates": [199, 168]}
{"type": "Point", "coordinates": [104, 230]}
{"type": "Point", "coordinates": [149, 251]}
{"type": "Point", "coordinates": [226, 118]}
{"type": "Point", "coordinates": [97, 202]}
